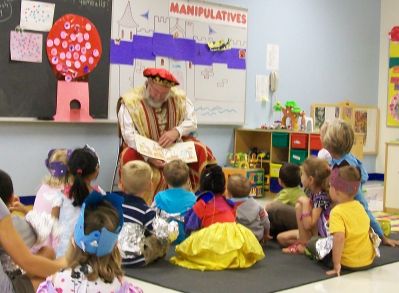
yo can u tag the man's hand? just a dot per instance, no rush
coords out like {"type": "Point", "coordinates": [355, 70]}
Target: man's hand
{"type": "Point", "coordinates": [156, 163]}
{"type": "Point", "coordinates": [168, 138]}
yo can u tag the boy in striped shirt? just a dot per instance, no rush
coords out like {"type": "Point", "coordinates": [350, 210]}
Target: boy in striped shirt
{"type": "Point", "coordinates": [137, 243]}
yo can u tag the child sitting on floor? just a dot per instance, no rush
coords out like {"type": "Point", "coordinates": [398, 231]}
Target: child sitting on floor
{"type": "Point", "coordinates": [248, 212]}
{"type": "Point", "coordinates": [53, 184]}
{"type": "Point", "coordinates": [24, 229]}
{"type": "Point", "coordinates": [349, 224]}
{"type": "Point", "coordinates": [174, 202]}
{"type": "Point", "coordinates": [83, 167]}
{"type": "Point", "coordinates": [216, 241]}
{"type": "Point", "coordinates": [312, 212]}
{"type": "Point", "coordinates": [282, 210]}
{"type": "Point", "coordinates": [16, 233]}
{"type": "Point", "coordinates": [93, 257]}
{"type": "Point", "coordinates": [338, 140]}
{"type": "Point", "coordinates": [138, 242]}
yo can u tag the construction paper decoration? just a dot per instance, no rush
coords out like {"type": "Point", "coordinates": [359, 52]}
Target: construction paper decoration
{"type": "Point", "coordinates": [73, 46]}
{"type": "Point", "coordinates": [26, 46]}
{"type": "Point", "coordinates": [394, 34]}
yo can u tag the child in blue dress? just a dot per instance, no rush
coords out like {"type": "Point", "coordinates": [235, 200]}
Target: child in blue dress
{"type": "Point", "coordinates": [174, 202]}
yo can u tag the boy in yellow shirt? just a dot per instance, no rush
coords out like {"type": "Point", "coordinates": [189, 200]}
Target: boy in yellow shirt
{"type": "Point", "coordinates": [349, 223]}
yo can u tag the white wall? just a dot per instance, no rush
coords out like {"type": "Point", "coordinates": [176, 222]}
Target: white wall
{"type": "Point", "coordinates": [389, 19]}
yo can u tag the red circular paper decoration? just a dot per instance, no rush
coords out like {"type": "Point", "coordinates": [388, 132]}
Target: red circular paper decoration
{"type": "Point", "coordinates": [73, 46]}
{"type": "Point", "coordinates": [394, 34]}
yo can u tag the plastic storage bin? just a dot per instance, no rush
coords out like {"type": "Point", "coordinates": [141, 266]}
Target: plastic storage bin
{"type": "Point", "coordinates": [274, 186]}
{"type": "Point", "coordinates": [298, 156]}
{"type": "Point", "coordinates": [280, 140]}
{"type": "Point", "coordinates": [314, 153]}
{"type": "Point", "coordinates": [275, 170]}
{"type": "Point", "coordinates": [299, 141]}
{"type": "Point", "coordinates": [315, 142]}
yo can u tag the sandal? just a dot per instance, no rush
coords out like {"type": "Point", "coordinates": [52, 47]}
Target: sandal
{"type": "Point", "coordinates": [295, 248]}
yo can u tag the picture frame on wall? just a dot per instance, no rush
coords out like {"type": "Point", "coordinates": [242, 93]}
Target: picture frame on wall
{"type": "Point", "coordinates": [323, 112]}
{"type": "Point", "coordinates": [364, 120]}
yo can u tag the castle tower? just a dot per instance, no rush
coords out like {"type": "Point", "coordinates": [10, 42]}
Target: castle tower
{"type": "Point", "coordinates": [127, 27]}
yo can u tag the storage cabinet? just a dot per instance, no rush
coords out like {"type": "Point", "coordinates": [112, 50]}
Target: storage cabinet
{"type": "Point", "coordinates": [283, 146]}
{"type": "Point", "coordinates": [391, 182]}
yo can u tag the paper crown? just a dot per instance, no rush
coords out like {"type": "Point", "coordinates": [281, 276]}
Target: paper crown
{"type": "Point", "coordinates": [341, 184]}
{"type": "Point", "coordinates": [161, 76]}
{"type": "Point", "coordinates": [98, 242]}
{"type": "Point", "coordinates": [57, 168]}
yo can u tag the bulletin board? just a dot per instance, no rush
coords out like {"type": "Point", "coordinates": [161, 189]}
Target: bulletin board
{"type": "Point", "coordinates": [393, 79]}
{"type": "Point", "coordinates": [178, 36]}
{"type": "Point", "coordinates": [28, 89]}
{"type": "Point", "coordinates": [364, 120]}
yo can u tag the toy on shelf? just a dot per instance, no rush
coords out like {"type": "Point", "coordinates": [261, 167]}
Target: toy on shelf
{"type": "Point", "coordinates": [291, 113]}
{"type": "Point", "coordinates": [255, 177]}
{"type": "Point", "coordinates": [238, 160]}
{"type": "Point", "coordinates": [255, 159]}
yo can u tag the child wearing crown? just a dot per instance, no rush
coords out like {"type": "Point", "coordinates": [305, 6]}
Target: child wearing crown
{"type": "Point", "coordinates": [93, 256]}
{"type": "Point", "coordinates": [53, 183]}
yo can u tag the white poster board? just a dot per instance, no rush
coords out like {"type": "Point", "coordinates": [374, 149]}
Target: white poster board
{"type": "Point", "coordinates": [175, 35]}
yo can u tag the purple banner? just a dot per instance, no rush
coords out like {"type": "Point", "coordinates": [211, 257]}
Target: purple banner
{"type": "Point", "coordinates": [142, 47]}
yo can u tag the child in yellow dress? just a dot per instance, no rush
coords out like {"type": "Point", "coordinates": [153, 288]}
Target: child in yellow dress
{"type": "Point", "coordinates": [216, 241]}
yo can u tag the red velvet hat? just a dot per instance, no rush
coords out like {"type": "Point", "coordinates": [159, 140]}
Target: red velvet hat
{"type": "Point", "coordinates": [161, 76]}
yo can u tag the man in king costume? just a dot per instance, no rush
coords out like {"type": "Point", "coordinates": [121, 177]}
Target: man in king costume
{"type": "Point", "coordinates": [161, 112]}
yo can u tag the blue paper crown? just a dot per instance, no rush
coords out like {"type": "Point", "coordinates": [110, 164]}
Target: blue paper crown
{"type": "Point", "coordinates": [98, 242]}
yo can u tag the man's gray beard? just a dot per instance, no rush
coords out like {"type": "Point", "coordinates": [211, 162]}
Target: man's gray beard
{"type": "Point", "coordinates": [151, 102]}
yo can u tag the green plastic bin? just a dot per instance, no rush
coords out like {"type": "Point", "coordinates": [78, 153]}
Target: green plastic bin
{"type": "Point", "coordinates": [298, 156]}
{"type": "Point", "coordinates": [280, 140]}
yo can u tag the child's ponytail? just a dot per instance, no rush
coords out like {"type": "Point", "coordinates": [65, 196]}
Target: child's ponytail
{"type": "Point", "coordinates": [82, 164]}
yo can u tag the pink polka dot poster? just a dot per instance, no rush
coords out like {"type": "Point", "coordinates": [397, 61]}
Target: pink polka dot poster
{"type": "Point", "coordinates": [73, 46]}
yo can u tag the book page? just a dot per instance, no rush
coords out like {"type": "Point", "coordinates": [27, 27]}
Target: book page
{"type": "Point", "coordinates": [182, 150]}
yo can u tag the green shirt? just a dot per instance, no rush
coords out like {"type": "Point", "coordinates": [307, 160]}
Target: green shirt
{"type": "Point", "coordinates": [290, 195]}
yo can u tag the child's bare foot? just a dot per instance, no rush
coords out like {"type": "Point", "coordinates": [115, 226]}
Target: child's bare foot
{"type": "Point", "coordinates": [296, 248]}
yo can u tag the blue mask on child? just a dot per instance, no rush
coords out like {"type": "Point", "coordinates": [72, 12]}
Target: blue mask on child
{"type": "Point", "coordinates": [98, 242]}
{"type": "Point", "coordinates": [57, 168]}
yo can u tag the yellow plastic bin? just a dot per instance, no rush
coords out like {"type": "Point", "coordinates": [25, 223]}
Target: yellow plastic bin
{"type": "Point", "coordinates": [275, 170]}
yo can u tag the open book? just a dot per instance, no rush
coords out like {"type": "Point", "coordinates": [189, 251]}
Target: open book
{"type": "Point", "coordinates": [182, 150]}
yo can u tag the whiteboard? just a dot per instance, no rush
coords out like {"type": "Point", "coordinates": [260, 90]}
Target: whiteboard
{"type": "Point", "coordinates": [175, 35]}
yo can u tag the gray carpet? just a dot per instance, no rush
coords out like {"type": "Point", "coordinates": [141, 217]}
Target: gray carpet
{"type": "Point", "coordinates": [276, 272]}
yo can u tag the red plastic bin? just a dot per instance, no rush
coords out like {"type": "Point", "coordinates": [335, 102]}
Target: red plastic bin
{"type": "Point", "coordinates": [299, 141]}
{"type": "Point", "coordinates": [315, 142]}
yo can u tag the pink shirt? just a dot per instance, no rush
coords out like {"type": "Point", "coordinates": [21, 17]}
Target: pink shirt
{"type": "Point", "coordinates": [45, 198]}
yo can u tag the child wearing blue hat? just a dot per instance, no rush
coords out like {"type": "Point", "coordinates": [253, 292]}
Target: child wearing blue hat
{"type": "Point", "coordinates": [93, 257]}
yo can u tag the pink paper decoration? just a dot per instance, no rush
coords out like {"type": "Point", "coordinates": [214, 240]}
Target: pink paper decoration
{"type": "Point", "coordinates": [68, 40]}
